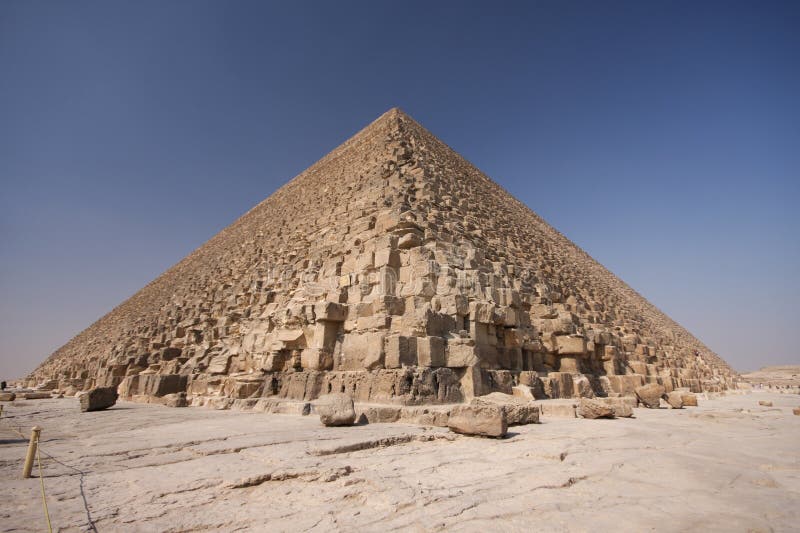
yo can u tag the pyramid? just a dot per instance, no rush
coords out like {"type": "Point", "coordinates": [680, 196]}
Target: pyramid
{"type": "Point", "coordinates": [393, 270]}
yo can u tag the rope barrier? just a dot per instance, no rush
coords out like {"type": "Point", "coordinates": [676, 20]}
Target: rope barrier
{"type": "Point", "coordinates": [41, 479]}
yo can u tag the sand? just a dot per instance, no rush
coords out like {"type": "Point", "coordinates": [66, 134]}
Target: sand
{"type": "Point", "coordinates": [728, 465]}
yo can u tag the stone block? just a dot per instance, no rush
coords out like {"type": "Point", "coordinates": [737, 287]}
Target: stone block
{"type": "Point", "coordinates": [591, 408]}
{"type": "Point", "coordinates": [461, 355]}
{"type": "Point", "coordinates": [518, 411]}
{"type": "Point", "coordinates": [431, 351]}
{"type": "Point", "coordinates": [335, 409]}
{"type": "Point", "coordinates": [650, 395]}
{"type": "Point", "coordinates": [330, 311]}
{"type": "Point", "coordinates": [98, 399]}
{"type": "Point", "coordinates": [480, 420]}
{"type": "Point", "coordinates": [570, 345]}
{"type": "Point", "coordinates": [400, 351]}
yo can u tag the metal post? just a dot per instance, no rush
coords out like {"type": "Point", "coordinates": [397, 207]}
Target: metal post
{"type": "Point", "coordinates": [35, 432]}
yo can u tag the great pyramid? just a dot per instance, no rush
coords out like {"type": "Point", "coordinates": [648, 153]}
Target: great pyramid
{"type": "Point", "coordinates": [393, 270]}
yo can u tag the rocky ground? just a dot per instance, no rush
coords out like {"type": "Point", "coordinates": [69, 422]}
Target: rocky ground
{"type": "Point", "coordinates": [727, 465]}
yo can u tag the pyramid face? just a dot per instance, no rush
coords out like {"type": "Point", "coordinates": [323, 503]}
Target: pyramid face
{"type": "Point", "coordinates": [394, 270]}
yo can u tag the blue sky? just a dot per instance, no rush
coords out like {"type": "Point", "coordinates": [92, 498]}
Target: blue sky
{"type": "Point", "coordinates": [661, 137]}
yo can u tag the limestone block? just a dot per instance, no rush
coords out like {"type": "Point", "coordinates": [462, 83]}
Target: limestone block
{"type": "Point", "coordinates": [570, 345]}
{"type": "Point", "coordinates": [518, 411]}
{"type": "Point", "coordinates": [626, 385]}
{"type": "Point", "coordinates": [689, 399]}
{"type": "Point", "coordinates": [378, 414]}
{"type": "Point", "coordinates": [675, 399]}
{"type": "Point", "coordinates": [590, 408]}
{"type": "Point", "coordinates": [98, 399]}
{"type": "Point", "coordinates": [7, 396]}
{"type": "Point", "coordinates": [361, 351]}
{"type": "Point", "coordinates": [219, 364]}
{"type": "Point", "coordinates": [582, 387]}
{"type": "Point", "coordinates": [431, 351]}
{"type": "Point", "coordinates": [387, 258]}
{"type": "Point", "coordinates": [523, 391]}
{"type": "Point", "coordinates": [623, 406]}
{"type": "Point", "coordinates": [569, 364]}
{"type": "Point", "coordinates": [330, 311]}
{"type": "Point", "coordinates": [481, 420]}
{"type": "Point", "coordinates": [558, 385]}
{"type": "Point", "coordinates": [335, 409]}
{"type": "Point", "coordinates": [460, 355]}
{"type": "Point", "coordinates": [650, 395]}
{"type": "Point", "coordinates": [316, 359]}
{"type": "Point", "coordinates": [557, 408]}
{"type": "Point", "coordinates": [400, 351]}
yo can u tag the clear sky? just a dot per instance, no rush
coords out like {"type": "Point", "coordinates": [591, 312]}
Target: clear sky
{"type": "Point", "coordinates": [661, 137]}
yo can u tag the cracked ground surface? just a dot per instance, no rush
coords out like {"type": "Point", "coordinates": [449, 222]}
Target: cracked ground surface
{"type": "Point", "coordinates": [728, 465]}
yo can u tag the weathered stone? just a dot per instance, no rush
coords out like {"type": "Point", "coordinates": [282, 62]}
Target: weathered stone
{"type": "Point", "coordinates": [650, 395]}
{"type": "Point", "coordinates": [518, 411]}
{"type": "Point", "coordinates": [764, 403]}
{"type": "Point", "coordinates": [689, 399]}
{"type": "Point", "coordinates": [177, 399]}
{"type": "Point", "coordinates": [481, 420]}
{"type": "Point", "coordinates": [98, 399]}
{"type": "Point", "coordinates": [7, 396]}
{"type": "Point", "coordinates": [36, 395]}
{"type": "Point", "coordinates": [796, 410]}
{"type": "Point", "coordinates": [675, 399]}
{"type": "Point", "coordinates": [335, 409]}
{"type": "Point", "coordinates": [591, 408]}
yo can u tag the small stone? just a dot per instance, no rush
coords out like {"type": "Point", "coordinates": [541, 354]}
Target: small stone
{"type": "Point", "coordinates": [482, 420]}
{"type": "Point", "coordinates": [98, 399]}
{"type": "Point", "coordinates": [649, 395]}
{"type": "Point", "coordinates": [796, 411]}
{"type": "Point", "coordinates": [764, 403]}
{"type": "Point", "coordinates": [335, 409]}
{"type": "Point", "coordinates": [591, 409]}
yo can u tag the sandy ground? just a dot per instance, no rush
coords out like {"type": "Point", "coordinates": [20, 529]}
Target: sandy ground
{"type": "Point", "coordinates": [728, 465]}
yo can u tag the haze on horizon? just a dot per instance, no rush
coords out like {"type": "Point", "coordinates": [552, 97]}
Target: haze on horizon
{"type": "Point", "coordinates": [663, 139]}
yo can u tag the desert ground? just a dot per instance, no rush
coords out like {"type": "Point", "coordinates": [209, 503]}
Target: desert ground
{"type": "Point", "coordinates": [727, 465]}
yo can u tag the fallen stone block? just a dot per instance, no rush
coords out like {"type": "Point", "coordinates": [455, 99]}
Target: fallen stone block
{"type": "Point", "coordinates": [689, 399]}
{"type": "Point", "coordinates": [518, 411]}
{"type": "Point", "coordinates": [37, 395]}
{"type": "Point", "coordinates": [7, 396]}
{"type": "Point", "coordinates": [98, 399]}
{"type": "Point", "coordinates": [650, 395]}
{"type": "Point", "coordinates": [176, 400]}
{"type": "Point", "coordinates": [675, 399]}
{"type": "Point", "coordinates": [591, 409]}
{"type": "Point", "coordinates": [335, 409]}
{"type": "Point", "coordinates": [557, 408]}
{"type": "Point", "coordinates": [764, 403]}
{"type": "Point", "coordinates": [796, 411]}
{"type": "Point", "coordinates": [482, 420]}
